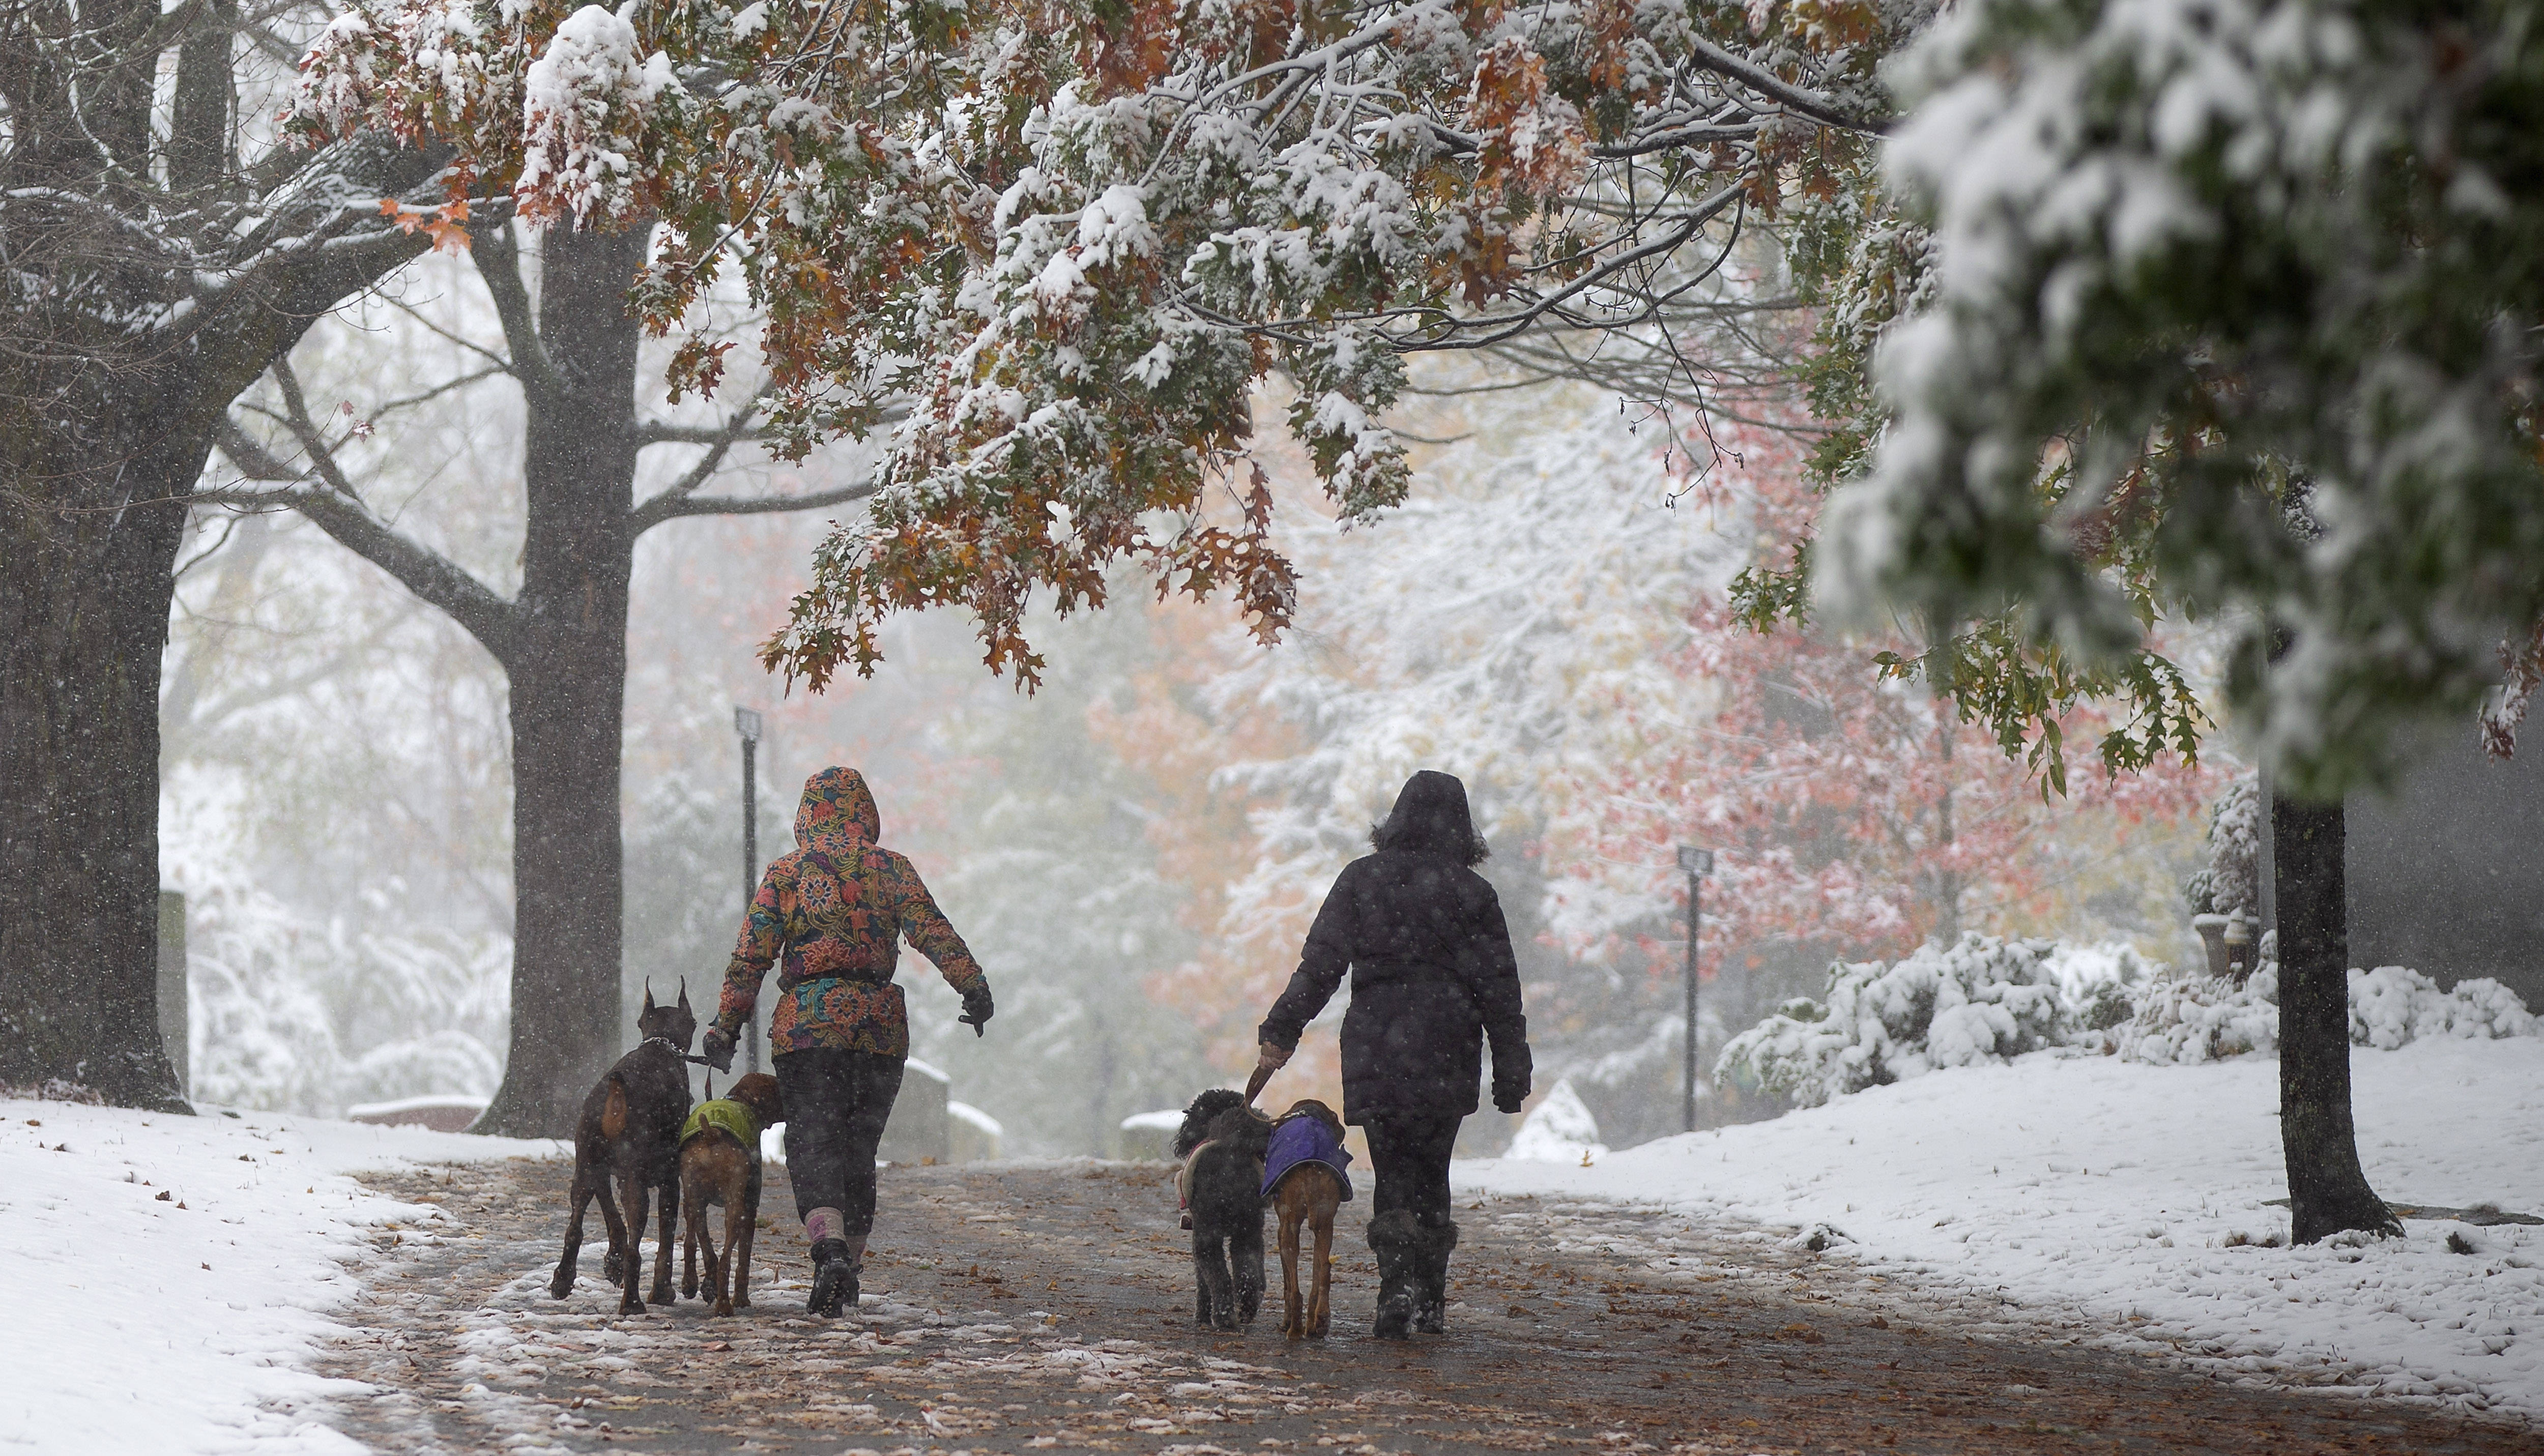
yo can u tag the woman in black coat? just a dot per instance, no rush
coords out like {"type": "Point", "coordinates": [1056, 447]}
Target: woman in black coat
{"type": "Point", "coordinates": [1433, 980]}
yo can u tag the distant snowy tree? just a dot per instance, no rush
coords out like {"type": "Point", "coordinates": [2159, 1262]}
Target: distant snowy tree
{"type": "Point", "coordinates": [2230, 883]}
{"type": "Point", "coordinates": [1053, 876]}
{"type": "Point", "coordinates": [1604, 706]}
{"type": "Point", "coordinates": [560, 634]}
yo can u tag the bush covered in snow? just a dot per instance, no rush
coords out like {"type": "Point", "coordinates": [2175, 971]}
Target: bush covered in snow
{"type": "Point", "coordinates": [1979, 1000]}
{"type": "Point", "coordinates": [2392, 1005]}
{"type": "Point", "coordinates": [2188, 1018]}
{"type": "Point", "coordinates": [1988, 1000]}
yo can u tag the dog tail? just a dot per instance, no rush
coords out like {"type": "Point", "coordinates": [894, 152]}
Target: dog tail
{"type": "Point", "coordinates": [613, 1112]}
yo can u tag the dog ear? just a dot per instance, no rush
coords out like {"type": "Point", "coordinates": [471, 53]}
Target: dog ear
{"type": "Point", "coordinates": [649, 997]}
{"type": "Point", "coordinates": [684, 996]}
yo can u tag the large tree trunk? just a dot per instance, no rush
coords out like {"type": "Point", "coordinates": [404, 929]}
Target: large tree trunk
{"type": "Point", "coordinates": [91, 516]}
{"type": "Point", "coordinates": [2328, 1191]}
{"type": "Point", "coordinates": [568, 671]}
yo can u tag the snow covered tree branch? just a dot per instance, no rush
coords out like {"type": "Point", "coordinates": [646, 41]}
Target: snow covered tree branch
{"type": "Point", "coordinates": [1077, 239]}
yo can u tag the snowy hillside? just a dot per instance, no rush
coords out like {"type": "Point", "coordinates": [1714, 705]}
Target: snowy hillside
{"type": "Point", "coordinates": [2138, 1197]}
{"type": "Point", "coordinates": [185, 1264]}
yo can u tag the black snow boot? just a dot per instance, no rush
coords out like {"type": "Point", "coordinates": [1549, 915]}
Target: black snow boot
{"type": "Point", "coordinates": [1396, 1239]}
{"type": "Point", "coordinates": [1431, 1278]}
{"type": "Point", "coordinates": [835, 1278]}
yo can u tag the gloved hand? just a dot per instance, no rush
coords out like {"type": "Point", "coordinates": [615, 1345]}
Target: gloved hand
{"type": "Point", "coordinates": [1271, 1058]}
{"type": "Point", "coordinates": [978, 1008]}
{"type": "Point", "coordinates": [718, 1049]}
{"type": "Point", "coordinates": [1508, 1096]}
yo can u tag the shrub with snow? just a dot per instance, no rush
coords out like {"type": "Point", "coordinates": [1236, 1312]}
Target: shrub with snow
{"type": "Point", "coordinates": [1989, 1000]}
{"type": "Point", "coordinates": [1979, 1000]}
{"type": "Point", "coordinates": [2189, 1017]}
{"type": "Point", "coordinates": [2392, 1005]}
{"type": "Point", "coordinates": [1558, 1130]}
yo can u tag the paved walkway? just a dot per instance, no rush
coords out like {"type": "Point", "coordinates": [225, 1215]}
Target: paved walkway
{"type": "Point", "coordinates": [1022, 1307]}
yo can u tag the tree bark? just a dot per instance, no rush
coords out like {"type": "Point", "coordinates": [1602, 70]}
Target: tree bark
{"type": "Point", "coordinates": [2328, 1189]}
{"type": "Point", "coordinates": [91, 515]}
{"type": "Point", "coordinates": [568, 668]}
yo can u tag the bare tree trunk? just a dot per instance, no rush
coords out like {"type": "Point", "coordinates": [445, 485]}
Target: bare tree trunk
{"type": "Point", "coordinates": [90, 521]}
{"type": "Point", "coordinates": [2328, 1189]}
{"type": "Point", "coordinates": [568, 671]}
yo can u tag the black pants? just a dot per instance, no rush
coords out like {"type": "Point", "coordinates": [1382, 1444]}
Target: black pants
{"type": "Point", "coordinates": [1411, 1156]}
{"type": "Point", "coordinates": [835, 1105]}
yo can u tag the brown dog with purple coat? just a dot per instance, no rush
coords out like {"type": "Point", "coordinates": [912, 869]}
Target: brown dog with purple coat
{"type": "Point", "coordinates": [1304, 1177]}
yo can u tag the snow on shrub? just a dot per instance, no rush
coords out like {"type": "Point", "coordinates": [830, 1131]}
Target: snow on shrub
{"type": "Point", "coordinates": [1979, 1000]}
{"type": "Point", "coordinates": [1989, 1000]}
{"type": "Point", "coordinates": [2190, 1018]}
{"type": "Point", "coordinates": [1559, 1130]}
{"type": "Point", "coordinates": [296, 1014]}
{"type": "Point", "coordinates": [2392, 1005]}
{"type": "Point", "coordinates": [2197, 1018]}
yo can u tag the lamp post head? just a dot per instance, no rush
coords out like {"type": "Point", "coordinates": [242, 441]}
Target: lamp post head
{"type": "Point", "coordinates": [1698, 861]}
{"type": "Point", "coordinates": [746, 721]}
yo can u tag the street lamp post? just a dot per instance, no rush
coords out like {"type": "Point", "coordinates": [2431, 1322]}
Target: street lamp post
{"type": "Point", "coordinates": [746, 721]}
{"type": "Point", "coordinates": [1697, 863]}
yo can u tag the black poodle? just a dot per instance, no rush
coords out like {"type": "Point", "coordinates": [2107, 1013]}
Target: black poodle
{"type": "Point", "coordinates": [1221, 1144]}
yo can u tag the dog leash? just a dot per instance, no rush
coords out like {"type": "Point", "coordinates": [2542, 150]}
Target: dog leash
{"type": "Point", "coordinates": [673, 1047]}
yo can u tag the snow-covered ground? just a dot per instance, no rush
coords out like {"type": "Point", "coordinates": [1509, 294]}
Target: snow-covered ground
{"type": "Point", "coordinates": [167, 1279]}
{"type": "Point", "coordinates": [2137, 1197]}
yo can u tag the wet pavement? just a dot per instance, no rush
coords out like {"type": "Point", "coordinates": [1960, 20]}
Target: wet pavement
{"type": "Point", "coordinates": [1048, 1306]}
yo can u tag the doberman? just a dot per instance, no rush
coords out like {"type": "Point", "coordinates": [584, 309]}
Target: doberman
{"type": "Point", "coordinates": [630, 1128]}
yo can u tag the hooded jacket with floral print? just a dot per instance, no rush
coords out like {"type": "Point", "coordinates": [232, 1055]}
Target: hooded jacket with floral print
{"type": "Point", "coordinates": [836, 909]}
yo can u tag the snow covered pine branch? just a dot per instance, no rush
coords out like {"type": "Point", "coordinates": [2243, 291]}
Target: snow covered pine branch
{"type": "Point", "coordinates": [1077, 236]}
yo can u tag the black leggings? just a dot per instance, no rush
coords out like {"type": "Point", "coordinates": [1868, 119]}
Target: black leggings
{"type": "Point", "coordinates": [837, 1103]}
{"type": "Point", "coordinates": [1410, 1155]}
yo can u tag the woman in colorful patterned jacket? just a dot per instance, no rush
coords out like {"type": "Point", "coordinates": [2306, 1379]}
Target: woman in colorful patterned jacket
{"type": "Point", "coordinates": [836, 909]}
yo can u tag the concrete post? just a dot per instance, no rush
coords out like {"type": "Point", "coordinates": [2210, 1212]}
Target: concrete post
{"type": "Point", "coordinates": [174, 1004]}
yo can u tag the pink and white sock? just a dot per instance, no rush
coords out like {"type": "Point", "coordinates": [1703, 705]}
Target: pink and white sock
{"type": "Point", "coordinates": [825, 1223]}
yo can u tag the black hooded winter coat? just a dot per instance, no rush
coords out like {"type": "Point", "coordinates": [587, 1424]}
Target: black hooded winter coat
{"type": "Point", "coordinates": [1433, 978]}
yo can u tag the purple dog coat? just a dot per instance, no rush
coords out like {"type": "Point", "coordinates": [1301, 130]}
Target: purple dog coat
{"type": "Point", "coordinates": [1299, 1140]}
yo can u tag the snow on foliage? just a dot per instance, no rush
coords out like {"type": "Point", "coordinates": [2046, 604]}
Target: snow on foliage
{"type": "Point", "coordinates": [2230, 883]}
{"type": "Point", "coordinates": [2392, 1005]}
{"type": "Point", "coordinates": [1986, 1000]}
{"type": "Point", "coordinates": [586, 105]}
{"type": "Point", "coordinates": [296, 1014]}
{"type": "Point", "coordinates": [2192, 1017]}
{"type": "Point", "coordinates": [2218, 320]}
{"type": "Point", "coordinates": [1979, 1000]}
{"type": "Point", "coordinates": [1076, 238]}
